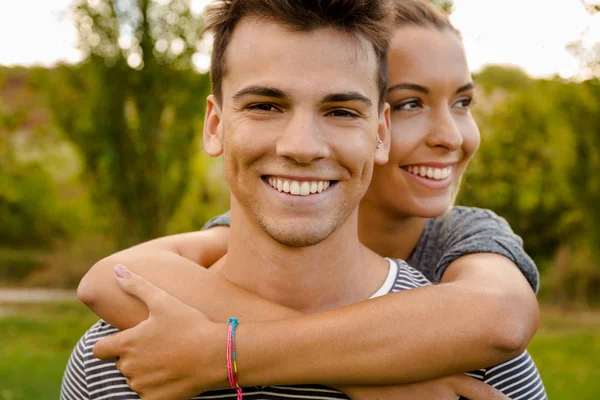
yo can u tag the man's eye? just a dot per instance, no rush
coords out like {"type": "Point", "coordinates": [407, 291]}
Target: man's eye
{"type": "Point", "coordinates": [343, 114]}
{"type": "Point", "coordinates": [262, 107]}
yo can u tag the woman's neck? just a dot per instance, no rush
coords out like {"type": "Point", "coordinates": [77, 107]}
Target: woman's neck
{"type": "Point", "coordinates": [388, 234]}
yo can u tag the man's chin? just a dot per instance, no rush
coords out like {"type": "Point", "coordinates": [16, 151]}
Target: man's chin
{"type": "Point", "coordinates": [298, 238]}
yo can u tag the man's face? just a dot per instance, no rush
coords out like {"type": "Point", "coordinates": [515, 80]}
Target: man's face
{"type": "Point", "coordinates": [298, 125]}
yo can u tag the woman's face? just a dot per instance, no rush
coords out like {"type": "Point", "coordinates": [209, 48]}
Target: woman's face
{"type": "Point", "coordinates": [433, 133]}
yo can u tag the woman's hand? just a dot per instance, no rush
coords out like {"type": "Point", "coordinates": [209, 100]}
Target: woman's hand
{"type": "Point", "coordinates": [449, 388]}
{"type": "Point", "coordinates": [176, 353]}
{"type": "Point", "coordinates": [158, 260]}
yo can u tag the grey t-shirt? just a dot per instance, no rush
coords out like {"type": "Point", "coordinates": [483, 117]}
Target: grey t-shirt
{"type": "Point", "coordinates": [461, 231]}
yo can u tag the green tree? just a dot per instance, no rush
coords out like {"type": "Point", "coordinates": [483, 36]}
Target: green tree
{"type": "Point", "coordinates": [445, 5]}
{"type": "Point", "coordinates": [133, 108]}
{"type": "Point", "coordinates": [30, 211]}
{"type": "Point", "coordinates": [592, 6]}
{"type": "Point", "coordinates": [500, 77]}
{"type": "Point", "coordinates": [537, 167]}
{"type": "Point", "coordinates": [586, 49]}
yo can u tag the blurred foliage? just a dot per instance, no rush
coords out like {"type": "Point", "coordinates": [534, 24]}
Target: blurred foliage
{"type": "Point", "coordinates": [104, 154]}
{"type": "Point", "coordinates": [30, 208]}
{"type": "Point", "coordinates": [538, 167]}
{"type": "Point", "coordinates": [507, 78]}
{"type": "Point", "coordinates": [592, 6]}
{"type": "Point", "coordinates": [139, 108]}
{"type": "Point", "coordinates": [445, 5]}
{"type": "Point", "coordinates": [587, 47]}
{"type": "Point", "coordinates": [16, 264]}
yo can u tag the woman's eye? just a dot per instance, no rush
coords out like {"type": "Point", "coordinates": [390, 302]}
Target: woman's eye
{"type": "Point", "coordinates": [409, 105]}
{"type": "Point", "coordinates": [464, 103]}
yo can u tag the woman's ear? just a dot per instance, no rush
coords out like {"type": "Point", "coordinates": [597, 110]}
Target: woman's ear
{"type": "Point", "coordinates": [213, 129]}
{"type": "Point", "coordinates": [382, 151]}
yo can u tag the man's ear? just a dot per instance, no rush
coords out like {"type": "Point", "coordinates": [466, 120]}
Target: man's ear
{"type": "Point", "coordinates": [384, 134]}
{"type": "Point", "coordinates": [212, 135]}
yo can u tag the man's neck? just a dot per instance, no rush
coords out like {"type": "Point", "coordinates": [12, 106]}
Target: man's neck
{"type": "Point", "coordinates": [333, 273]}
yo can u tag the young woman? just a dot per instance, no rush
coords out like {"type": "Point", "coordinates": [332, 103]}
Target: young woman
{"type": "Point", "coordinates": [484, 311]}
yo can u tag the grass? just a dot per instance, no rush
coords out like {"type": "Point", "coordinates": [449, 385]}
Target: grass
{"type": "Point", "coordinates": [566, 350]}
{"type": "Point", "coordinates": [35, 344]}
{"type": "Point", "coordinates": [36, 341]}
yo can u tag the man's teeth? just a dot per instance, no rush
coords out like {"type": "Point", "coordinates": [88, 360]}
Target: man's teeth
{"type": "Point", "coordinates": [429, 172]}
{"type": "Point", "coordinates": [298, 188]}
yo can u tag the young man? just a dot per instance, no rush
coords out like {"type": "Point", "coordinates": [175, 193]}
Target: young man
{"type": "Point", "coordinates": [298, 101]}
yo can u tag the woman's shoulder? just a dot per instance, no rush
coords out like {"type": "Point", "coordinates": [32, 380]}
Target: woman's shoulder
{"type": "Point", "coordinates": [464, 215]}
{"type": "Point", "coordinates": [467, 230]}
{"type": "Point", "coordinates": [468, 227]}
{"type": "Point", "coordinates": [461, 221]}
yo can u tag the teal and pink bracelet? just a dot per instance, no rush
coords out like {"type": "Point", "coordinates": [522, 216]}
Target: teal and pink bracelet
{"type": "Point", "coordinates": [232, 372]}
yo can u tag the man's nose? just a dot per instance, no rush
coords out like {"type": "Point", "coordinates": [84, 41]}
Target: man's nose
{"type": "Point", "coordinates": [302, 140]}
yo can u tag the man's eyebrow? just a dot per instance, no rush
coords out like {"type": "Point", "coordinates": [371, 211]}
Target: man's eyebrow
{"type": "Point", "coordinates": [345, 97]}
{"type": "Point", "coordinates": [409, 86]}
{"type": "Point", "coordinates": [264, 91]}
{"type": "Point", "coordinates": [464, 88]}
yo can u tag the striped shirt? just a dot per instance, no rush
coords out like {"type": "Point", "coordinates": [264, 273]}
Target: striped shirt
{"type": "Point", "coordinates": [88, 378]}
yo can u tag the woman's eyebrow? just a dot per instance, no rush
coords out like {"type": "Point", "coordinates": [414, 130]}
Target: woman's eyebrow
{"type": "Point", "coordinates": [409, 86]}
{"type": "Point", "coordinates": [464, 88]}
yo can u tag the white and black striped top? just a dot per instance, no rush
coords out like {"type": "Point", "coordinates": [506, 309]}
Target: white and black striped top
{"type": "Point", "coordinates": [89, 378]}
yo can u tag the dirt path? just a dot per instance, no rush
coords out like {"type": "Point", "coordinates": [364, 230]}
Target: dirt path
{"type": "Point", "coordinates": [33, 295]}
{"type": "Point", "coordinates": [11, 296]}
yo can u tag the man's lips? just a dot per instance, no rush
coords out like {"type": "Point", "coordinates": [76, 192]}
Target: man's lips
{"type": "Point", "coordinates": [298, 187]}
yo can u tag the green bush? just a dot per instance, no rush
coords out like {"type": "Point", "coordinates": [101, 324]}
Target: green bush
{"type": "Point", "coordinates": [16, 265]}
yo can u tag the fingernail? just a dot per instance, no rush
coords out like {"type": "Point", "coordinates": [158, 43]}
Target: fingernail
{"type": "Point", "coordinates": [121, 271]}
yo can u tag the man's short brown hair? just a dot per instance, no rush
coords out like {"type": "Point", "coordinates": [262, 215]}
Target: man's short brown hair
{"type": "Point", "coordinates": [370, 19]}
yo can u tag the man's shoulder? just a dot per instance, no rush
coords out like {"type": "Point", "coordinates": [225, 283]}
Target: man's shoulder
{"type": "Point", "coordinates": [408, 277]}
{"type": "Point", "coordinates": [90, 378]}
{"type": "Point", "coordinates": [99, 330]}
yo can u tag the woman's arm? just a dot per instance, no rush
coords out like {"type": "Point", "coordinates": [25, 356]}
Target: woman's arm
{"type": "Point", "coordinates": [172, 263]}
{"type": "Point", "coordinates": [478, 317]}
{"type": "Point", "coordinates": [157, 360]}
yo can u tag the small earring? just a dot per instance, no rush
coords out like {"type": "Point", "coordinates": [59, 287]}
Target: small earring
{"type": "Point", "coordinates": [379, 142]}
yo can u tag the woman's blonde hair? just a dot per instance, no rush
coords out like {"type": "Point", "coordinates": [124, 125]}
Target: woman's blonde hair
{"type": "Point", "coordinates": [421, 13]}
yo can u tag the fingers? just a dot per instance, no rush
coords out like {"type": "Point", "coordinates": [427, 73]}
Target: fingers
{"type": "Point", "coordinates": [152, 296]}
{"type": "Point", "coordinates": [109, 347]}
{"type": "Point", "coordinates": [147, 390]}
{"type": "Point", "coordinates": [473, 389]}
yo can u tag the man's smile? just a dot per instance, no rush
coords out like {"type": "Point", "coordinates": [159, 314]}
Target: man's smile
{"type": "Point", "coordinates": [298, 187]}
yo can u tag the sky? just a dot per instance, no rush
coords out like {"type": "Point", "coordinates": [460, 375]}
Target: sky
{"type": "Point", "coordinates": [532, 34]}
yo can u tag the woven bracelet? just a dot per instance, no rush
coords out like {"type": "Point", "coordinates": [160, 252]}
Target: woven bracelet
{"type": "Point", "coordinates": [232, 372]}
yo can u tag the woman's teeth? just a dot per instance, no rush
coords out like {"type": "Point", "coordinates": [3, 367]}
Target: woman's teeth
{"type": "Point", "coordinates": [437, 174]}
{"type": "Point", "coordinates": [298, 188]}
